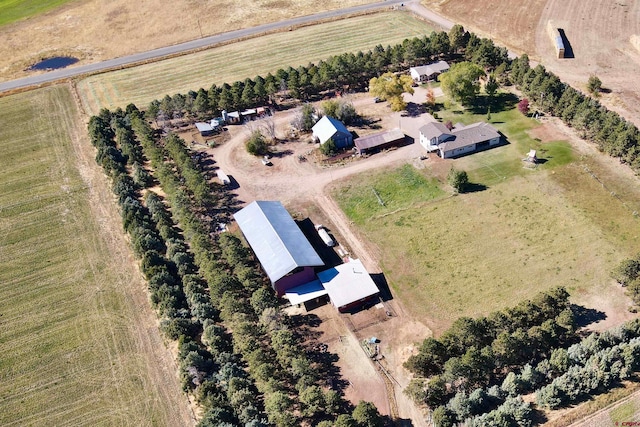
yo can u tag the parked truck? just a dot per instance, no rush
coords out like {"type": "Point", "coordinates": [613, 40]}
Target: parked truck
{"type": "Point", "coordinates": [324, 235]}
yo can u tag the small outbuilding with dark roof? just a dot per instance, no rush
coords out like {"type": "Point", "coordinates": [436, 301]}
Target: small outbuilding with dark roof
{"type": "Point", "coordinates": [379, 141]}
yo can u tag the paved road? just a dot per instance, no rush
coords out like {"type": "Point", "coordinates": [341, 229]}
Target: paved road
{"type": "Point", "coordinates": [212, 40]}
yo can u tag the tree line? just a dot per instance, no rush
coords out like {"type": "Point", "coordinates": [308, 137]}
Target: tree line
{"type": "Point", "coordinates": [475, 352]}
{"type": "Point", "coordinates": [284, 378]}
{"type": "Point", "coordinates": [594, 365]}
{"type": "Point", "coordinates": [611, 133]}
{"type": "Point", "coordinates": [345, 72]}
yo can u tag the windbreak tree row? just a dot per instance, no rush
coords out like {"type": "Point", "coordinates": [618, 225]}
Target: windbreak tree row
{"type": "Point", "coordinates": [176, 290]}
{"type": "Point", "coordinates": [594, 365]}
{"type": "Point", "coordinates": [348, 71]}
{"type": "Point", "coordinates": [287, 375]}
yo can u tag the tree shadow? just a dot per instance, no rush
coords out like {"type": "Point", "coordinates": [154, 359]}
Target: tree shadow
{"type": "Point", "coordinates": [585, 316]}
{"type": "Point", "coordinates": [281, 154]}
{"type": "Point", "coordinates": [497, 103]}
{"type": "Point", "coordinates": [473, 187]}
{"type": "Point", "coordinates": [415, 110]}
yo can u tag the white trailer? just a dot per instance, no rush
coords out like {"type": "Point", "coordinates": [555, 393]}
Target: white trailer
{"type": "Point", "coordinates": [324, 235]}
{"type": "Point", "coordinates": [224, 179]}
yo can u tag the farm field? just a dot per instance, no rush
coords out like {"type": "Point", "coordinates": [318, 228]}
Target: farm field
{"type": "Point", "coordinates": [78, 345]}
{"type": "Point", "coordinates": [14, 10]}
{"type": "Point", "coordinates": [253, 57]}
{"type": "Point", "coordinates": [94, 30]}
{"type": "Point", "coordinates": [516, 233]}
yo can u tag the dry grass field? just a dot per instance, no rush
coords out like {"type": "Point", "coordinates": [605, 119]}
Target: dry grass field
{"type": "Point", "coordinates": [249, 58]}
{"type": "Point", "coordinates": [599, 33]}
{"type": "Point", "coordinates": [95, 30]}
{"type": "Point", "coordinates": [78, 342]}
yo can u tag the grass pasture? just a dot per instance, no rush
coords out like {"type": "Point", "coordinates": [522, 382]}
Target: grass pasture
{"type": "Point", "coordinates": [248, 58]}
{"type": "Point", "coordinates": [70, 353]}
{"type": "Point", "coordinates": [14, 10]}
{"type": "Point", "coordinates": [518, 233]}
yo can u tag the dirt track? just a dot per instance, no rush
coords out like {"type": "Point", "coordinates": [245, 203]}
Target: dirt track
{"type": "Point", "coordinates": [298, 184]}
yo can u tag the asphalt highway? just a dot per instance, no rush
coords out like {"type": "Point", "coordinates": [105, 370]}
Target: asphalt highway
{"type": "Point", "coordinates": [115, 63]}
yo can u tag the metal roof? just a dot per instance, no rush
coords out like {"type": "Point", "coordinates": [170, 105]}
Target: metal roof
{"type": "Point", "coordinates": [430, 69]}
{"type": "Point", "coordinates": [276, 239]}
{"type": "Point", "coordinates": [380, 138]}
{"type": "Point", "coordinates": [348, 283]}
{"type": "Point", "coordinates": [327, 127]}
{"type": "Point", "coordinates": [204, 127]}
{"type": "Point", "coordinates": [307, 292]}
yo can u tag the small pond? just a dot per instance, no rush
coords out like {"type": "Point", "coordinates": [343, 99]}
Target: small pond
{"type": "Point", "coordinates": [54, 63]}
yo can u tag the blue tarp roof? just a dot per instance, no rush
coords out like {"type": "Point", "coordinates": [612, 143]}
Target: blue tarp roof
{"type": "Point", "coordinates": [276, 239]}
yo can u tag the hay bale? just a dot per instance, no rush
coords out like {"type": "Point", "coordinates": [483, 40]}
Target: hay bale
{"type": "Point", "coordinates": [635, 41]}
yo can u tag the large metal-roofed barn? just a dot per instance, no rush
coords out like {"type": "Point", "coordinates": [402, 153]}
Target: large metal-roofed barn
{"type": "Point", "coordinates": [282, 249]}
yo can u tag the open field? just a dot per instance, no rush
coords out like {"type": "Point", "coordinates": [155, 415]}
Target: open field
{"type": "Point", "coordinates": [94, 30]}
{"type": "Point", "coordinates": [78, 345]}
{"type": "Point", "coordinates": [14, 10]}
{"type": "Point", "coordinates": [519, 232]}
{"type": "Point", "coordinates": [599, 34]}
{"type": "Point", "coordinates": [253, 57]}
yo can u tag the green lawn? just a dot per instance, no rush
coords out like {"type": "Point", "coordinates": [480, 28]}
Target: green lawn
{"type": "Point", "coordinates": [497, 165]}
{"type": "Point", "coordinates": [521, 231]}
{"type": "Point", "coordinates": [70, 351]}
{"type": "Point", "coordinates": [249, 58]}
{"type": "Point", "coordinates": [14, 10]}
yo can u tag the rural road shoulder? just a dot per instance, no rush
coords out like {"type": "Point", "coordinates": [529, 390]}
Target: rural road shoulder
{"type": "Point", "coordinates": [155, 54]}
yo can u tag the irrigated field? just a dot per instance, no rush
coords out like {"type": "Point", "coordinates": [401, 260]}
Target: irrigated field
{"type": "Point", "coordinates": [249, 58]}
{"type": "Point", "coordinates": [77, 346]}
{"type": "Point", "coordinates": [14, 10]}
{"type": "Point", "coordinates": [518, 232]}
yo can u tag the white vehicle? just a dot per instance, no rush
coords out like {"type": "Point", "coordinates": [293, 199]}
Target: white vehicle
{"type": "Point", "coordinates": [223, 177]}
{"type": "Point", "coordinates": [324, 235]}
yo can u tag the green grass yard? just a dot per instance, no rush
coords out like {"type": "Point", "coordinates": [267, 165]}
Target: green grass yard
{"type": "Point", "coordinates": [15, 10]}
{"type": "Point", "coordinates": [69, 351]}
{"type": "Point", "coordinates": [525, 232]}
{"type": "Point", "coordinates": [250, 58]}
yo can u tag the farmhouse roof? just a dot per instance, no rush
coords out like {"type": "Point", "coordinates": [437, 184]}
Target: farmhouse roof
{"type": "Point", "coordinates": [434, 130]}
{"type": "Point", "coordinates": [433, 68]}
{"type": "Point", "coordinates": [327, 127]}
{"type": "Point", "coordinates": [468, 135]}
{"type": "Point", "coordinates": [348, 283]}
{"type": "Point", "coordinates": [380, 138]}
{"type": "Point", "coordinates": [276, 239]}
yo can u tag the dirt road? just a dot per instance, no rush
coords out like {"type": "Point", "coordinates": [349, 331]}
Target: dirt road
{"type": "Point", "coordinates": [297, 183]}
